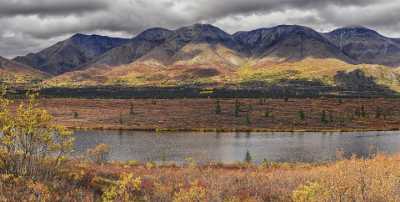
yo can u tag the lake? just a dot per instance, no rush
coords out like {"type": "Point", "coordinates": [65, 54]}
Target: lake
{"type": "Point", "coordinates": [177, 147]}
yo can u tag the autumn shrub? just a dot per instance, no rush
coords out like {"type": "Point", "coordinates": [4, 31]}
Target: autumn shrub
{"type": "Point", "coordinates": [33, 155]}
{"type": "Point", "coordinates": [194, 193]}
{"type": "Point", "coordinates": [376, 179]}
{"type": "Point", "coordinates": [307, 193]}
{"type": "Point", "coordinates": [30, 143]}
{"type": "Point", "coordinates": [127, 188]}
{"type": "Point", "coordinates": [17, 188]}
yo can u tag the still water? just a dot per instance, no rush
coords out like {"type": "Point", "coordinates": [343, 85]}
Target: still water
{"type": "Point", "coordinates": [232, 147]}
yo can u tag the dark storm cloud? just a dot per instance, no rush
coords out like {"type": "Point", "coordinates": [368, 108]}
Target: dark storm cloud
{"type": "Point", "coordinates": [231, 7]}
{"type": "Point", "coordinates": [29, 25]}
{"type": "Point", "coordinates": [49, 7]}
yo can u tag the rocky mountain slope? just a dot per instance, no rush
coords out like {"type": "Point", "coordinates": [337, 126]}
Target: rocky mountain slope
{"type": "Point", "coordinates": [364, 45]}
{"type": "Point", "coordinates": [288, 43]}
{"type": "Point", "coordinates": [71, 53]}
{"type": "Point", "coordinates": [134, 48]}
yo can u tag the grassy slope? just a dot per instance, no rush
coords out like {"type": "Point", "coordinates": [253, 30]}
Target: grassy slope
{"type": "Point", "coordinates": [16, 73]}
{"type": "Point", "coordinates": [320, 69]}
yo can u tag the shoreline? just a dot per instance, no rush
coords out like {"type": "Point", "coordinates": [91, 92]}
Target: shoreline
{"type": "Point", "coordinates": [215, 130]}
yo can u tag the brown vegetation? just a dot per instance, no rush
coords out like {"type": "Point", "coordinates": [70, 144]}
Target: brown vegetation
{"type": "Point", "coordinates": [242, 114]}
{"type": "Point", "coordinates": [348, 180]}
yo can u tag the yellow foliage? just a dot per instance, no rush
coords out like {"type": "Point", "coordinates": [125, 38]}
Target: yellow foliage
{"type": "Point", "coordinates": [306, 193]}
{"type": "Point", "coordinates": [354, 180]}
{"type": "Point", "coordinates": [150, 165]}
{"type": "Point", "coordinates": [30, 140]}
{"type": "Point", "coordinates": [127, 188]}
{"type": "Point", "coordinates": [195, 193]}
{"type": "Point", "coordinates": [41, 191]}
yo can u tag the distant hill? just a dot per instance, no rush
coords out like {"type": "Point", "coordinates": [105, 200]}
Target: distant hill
{"type": "Point", "coordinates": [71, 53]}
{"type": "Point", "coordinates": [13, 72]}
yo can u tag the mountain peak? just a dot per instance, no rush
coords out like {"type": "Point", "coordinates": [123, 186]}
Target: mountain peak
{"type": "Point", "coordinates": [203, 33]}
{"type": "Point", "coordinates": [78, 35]}
{"type": "Point", "coordinates": [266, 40]}
{"type": "Point", "coordinates": [154, 34]}
{"type": "Point", "coordinates": [292, 27]}
{"type": "Point", "coordinates": [366, 45]}
{"type": "Point", "coordinates": [200, 26]}
{"type": "Point", "coordinates": [355, 29]}
{"type": "Point", "coordinates": [201, 29]}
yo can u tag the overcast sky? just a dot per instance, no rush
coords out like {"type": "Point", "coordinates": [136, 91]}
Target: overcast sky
{"type": "Point", "coordinates": [30, 25]}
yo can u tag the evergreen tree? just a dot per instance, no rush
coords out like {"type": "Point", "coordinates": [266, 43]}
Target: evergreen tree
{"type": "Point", "coordinates": [237, 108]}
{"type": "Point", "coordinates": [218, 107]}
{"type": "Point", "coordinates": [363, 112]}
{"type": "Point", "coordinates": [131, 111]}
{"type": "Point", "coordinates": [248, 121]}
{"type": "Point", "coordinates": [267, 113]}
{"type": "Point", "coordinates": [248, 157]}
{"type": "Point", "coordinates": [323, 117]}
{"type": "Point", "coordinates": [331, 118]}
{"type": "Point", "coordinates": [378, 112]}
{"type": "Point", "coordinates": [121, 119]}
{"type": "Point", "coordinates": [302, 115]}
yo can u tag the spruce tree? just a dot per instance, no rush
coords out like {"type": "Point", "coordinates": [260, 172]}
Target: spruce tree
{"type": "Point", "coordinates": [248, 157]}
{"type": "Point", "coordinates": [237, 108]}
{"type": "Point", "coordinates": [218, 107]}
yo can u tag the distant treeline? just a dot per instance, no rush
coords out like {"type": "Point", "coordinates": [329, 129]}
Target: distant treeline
{"type": "Point", "coordinates": [195, 92]}
{"type": "Point", "coordinates": [353, 84]}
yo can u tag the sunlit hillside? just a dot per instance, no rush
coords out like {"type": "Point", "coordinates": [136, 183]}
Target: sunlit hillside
{"type": "Point", "coordinates": [15, 73]}
{"type": "Point", "coordinates": [218, 66]}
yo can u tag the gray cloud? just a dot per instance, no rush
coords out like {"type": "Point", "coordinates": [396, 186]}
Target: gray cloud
{"type": "Point", "coordinates": [232, 7]}
{"type": "Point", "coordinates": [50, 7]}
{"type": "Point", "coordinates": [29, 25]}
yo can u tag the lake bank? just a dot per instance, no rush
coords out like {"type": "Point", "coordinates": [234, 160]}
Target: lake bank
{"type": "Point", "coordinates": [226, 130]}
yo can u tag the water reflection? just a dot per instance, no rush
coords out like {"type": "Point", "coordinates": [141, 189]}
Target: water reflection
{"type": "Point", "coordinates": [232, 147]}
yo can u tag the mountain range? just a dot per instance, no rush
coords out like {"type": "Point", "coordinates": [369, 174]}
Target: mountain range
{"type": "Point", "coordinates": [205, 54]}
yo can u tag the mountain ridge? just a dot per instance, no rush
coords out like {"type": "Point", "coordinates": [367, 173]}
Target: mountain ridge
{"type": "Point", "coordinates": [203, 53]}
{"type": "Point", "coordinates": [66, 55]}
{"type": "Point", "coordinates": [255, 43]}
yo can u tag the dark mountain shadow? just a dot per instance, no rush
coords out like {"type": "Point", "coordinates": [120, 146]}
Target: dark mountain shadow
{"type": "Point", "coordinates": [356, 82]}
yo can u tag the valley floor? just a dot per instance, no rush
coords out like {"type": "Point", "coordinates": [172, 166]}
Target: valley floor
{"type": "Point", "coordinates": [227, 114]}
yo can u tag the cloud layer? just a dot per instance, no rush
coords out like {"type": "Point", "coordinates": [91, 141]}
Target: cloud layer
{"type": "Point", "coordinates": [30, 25]}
